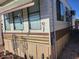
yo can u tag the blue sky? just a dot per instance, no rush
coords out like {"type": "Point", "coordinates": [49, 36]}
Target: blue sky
{"type": "Point", "coordinates": [75, 6]}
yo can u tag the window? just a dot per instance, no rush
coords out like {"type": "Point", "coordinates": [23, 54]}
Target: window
{"type": "Point", "coordinates": [60, 11]}
{"type": "Point", "coordinates": [67, 15]}
{"type": "Point", "coordinates": [43, 56]}
{"type": "Point", "coordinates": [34, 15]}
{"type": "Point", "coordinates": [25, 56]}
{"type": "Point", "coordinates": [7, 21]}
{"type": "Point", "coordinates": [15, 18]}
{"type": "Point", "coordinates": [18, 20]}
{"type": "Point", "coordinates": [47, 58]}
{"type": "Point", "coordinates": [15, 44]}
{"type": "Point", "coordinates": [31, 57]}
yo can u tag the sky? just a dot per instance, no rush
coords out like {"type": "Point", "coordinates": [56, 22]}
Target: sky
{"type": "Point", "coordinates": [75, 6]}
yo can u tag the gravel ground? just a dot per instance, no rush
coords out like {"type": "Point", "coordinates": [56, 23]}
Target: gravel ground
{"type": "Point", "coordinates": [71, 51]}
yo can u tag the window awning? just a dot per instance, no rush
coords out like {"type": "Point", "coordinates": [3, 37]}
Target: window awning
{"type": "Point", "coordinates": [2, 1]}
{"type": "Point", "coordinates": [15, 5]}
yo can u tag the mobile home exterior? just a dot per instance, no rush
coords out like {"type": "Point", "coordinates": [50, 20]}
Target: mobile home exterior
{"type": "Point", "coordinates": [35, 29]}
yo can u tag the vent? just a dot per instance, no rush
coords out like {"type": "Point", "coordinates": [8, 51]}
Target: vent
{"type": "Point", "coordinates": [4, 2]}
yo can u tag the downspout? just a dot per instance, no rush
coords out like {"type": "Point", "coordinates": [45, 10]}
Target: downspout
{"type": "Point", "coordinates": [54, 32]}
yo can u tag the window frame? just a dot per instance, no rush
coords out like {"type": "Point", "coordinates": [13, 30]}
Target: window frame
{"type": "Point", "coordinates": [58, 8]}
{"type": "Point", "coordinates": [67, 14]}
{"type": "Point", "coordinates": [14, 26]}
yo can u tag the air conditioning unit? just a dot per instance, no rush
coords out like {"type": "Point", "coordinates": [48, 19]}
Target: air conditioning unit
{"type": "Point", "coordinates": [73, 12]}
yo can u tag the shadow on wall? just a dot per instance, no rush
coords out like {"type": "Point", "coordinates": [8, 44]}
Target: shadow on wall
{"type": "Point", "coordinates": [9, 56]}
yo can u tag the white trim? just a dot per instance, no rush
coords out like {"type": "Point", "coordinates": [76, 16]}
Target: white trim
{"type": "Point", "coordinates": [2, 17]}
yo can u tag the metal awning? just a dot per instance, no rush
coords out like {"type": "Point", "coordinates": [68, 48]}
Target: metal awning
{"type": "Point", "coordinates": [15, 5]}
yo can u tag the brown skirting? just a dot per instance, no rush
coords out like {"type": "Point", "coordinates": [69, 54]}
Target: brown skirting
{"type": "Point", "coordinates": [61, 33]}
